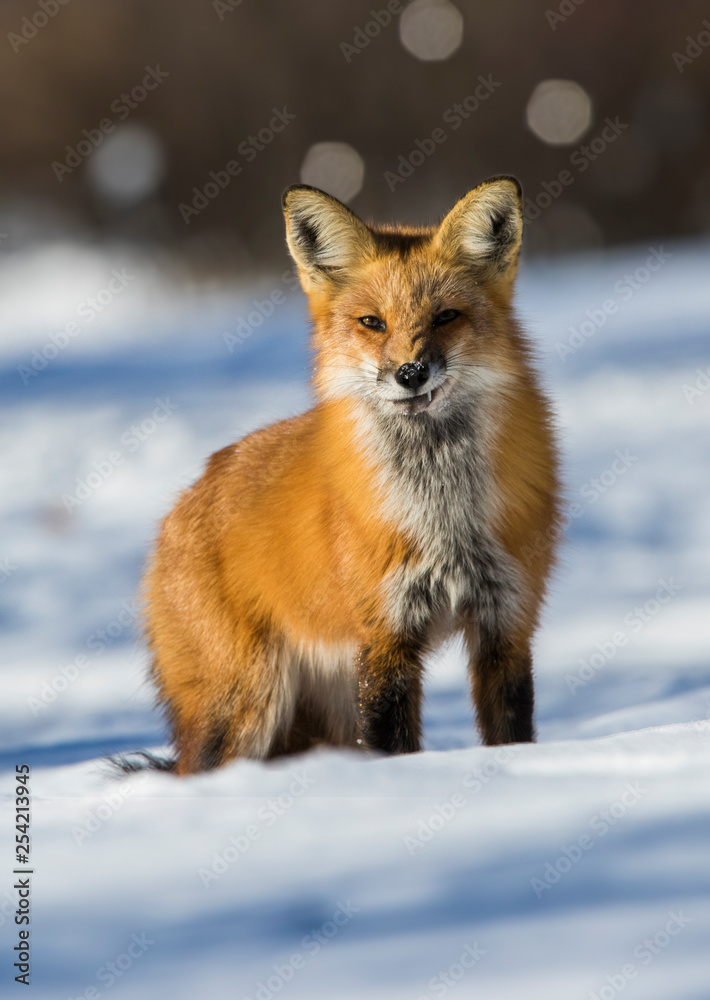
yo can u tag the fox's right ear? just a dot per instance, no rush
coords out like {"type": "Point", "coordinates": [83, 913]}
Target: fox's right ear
{"type": "Point", "coordinates": [325, 238]}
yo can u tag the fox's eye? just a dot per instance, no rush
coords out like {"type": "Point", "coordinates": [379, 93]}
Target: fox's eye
{"type": "Point", "coordinates": [445, 317]}
{"type": "Point", "coordinates": [373, 323]}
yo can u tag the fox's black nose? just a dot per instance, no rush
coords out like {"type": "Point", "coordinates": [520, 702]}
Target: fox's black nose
{"type": "Point", "coordinates": [412, 374]}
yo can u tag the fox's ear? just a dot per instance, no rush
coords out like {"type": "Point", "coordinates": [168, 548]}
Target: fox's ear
{"type": "Point", "coordinates": [325, 238]}
{"type": "Point", "coordinates": [485, 228]}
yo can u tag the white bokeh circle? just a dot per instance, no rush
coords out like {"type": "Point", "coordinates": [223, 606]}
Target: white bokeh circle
{"type": "Point", "coordinates": [334, 167]}
{"type": "Point", "coordinates": [128, 165]}
{"type": "Point", "coordinates": [559, 112]}
{"type": "Point", "coordinates": [431, 29]}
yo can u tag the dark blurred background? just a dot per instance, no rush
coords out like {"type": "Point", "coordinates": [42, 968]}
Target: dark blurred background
{"type": "Point", "coordinates": [119, 119]}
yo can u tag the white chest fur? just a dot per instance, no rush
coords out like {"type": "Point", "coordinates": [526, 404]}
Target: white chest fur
{"type": "Point", "coordinates": [438, 489]}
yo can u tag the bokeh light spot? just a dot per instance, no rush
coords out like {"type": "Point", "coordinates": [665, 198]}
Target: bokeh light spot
{"type": "Point", "coordinates": [559, 112]}
{"type": "Point", "coordinates": [431, 29]}
{"type": "Point", "coordinates": [128, 165]}
{"type": "Point", "coordinates": [334, 167]}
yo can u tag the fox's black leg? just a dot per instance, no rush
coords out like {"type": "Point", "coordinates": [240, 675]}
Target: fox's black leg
{"type": "Point", "coordinates": [390, 693]}
{"type": "Point", "coordinates": [502, 682]}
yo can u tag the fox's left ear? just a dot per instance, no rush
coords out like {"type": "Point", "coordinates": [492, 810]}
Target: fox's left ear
{"type": "Point", "coordinates": [485, 229]}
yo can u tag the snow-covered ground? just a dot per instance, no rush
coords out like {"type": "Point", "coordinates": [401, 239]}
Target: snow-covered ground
{"type": "Point", "coordinates": [576, 868]}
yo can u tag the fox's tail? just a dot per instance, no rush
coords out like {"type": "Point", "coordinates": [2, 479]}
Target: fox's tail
{"type": "Point", "coordinates": [138, 760]}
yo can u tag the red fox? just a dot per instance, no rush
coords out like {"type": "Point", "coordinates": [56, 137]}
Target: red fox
{"type": "Point", "coordinates": [297, 587]}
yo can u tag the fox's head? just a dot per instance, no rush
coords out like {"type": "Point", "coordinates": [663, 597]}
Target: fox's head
{"type": "Point", "coordinates": [412, 321]}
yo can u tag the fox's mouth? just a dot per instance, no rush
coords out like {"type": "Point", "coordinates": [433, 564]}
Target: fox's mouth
{"type": "Point", "coordinates": [415, 404]}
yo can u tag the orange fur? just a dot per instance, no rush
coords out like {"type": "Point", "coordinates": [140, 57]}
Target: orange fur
{"type": "Point", "coordinates": [283, 593]}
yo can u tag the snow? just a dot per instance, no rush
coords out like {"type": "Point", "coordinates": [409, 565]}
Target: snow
{"type": "Point", "coordinates": [535, 871]}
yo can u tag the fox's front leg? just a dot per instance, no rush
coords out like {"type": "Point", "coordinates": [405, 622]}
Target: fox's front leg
{"type": "Point", "coordinates": [389, 672]}
{"type": "Point", "coordinates": [502, 683]}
